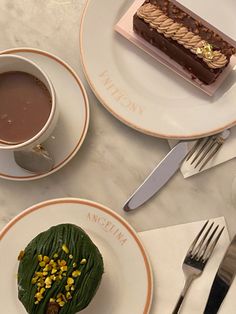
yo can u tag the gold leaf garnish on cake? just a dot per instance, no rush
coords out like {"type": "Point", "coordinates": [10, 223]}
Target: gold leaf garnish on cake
{"type": "Point", "coordinates": [206, 50]}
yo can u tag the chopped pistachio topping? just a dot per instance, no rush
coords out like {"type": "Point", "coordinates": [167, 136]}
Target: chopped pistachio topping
{"type": "Point", "coordinates": [47, 268]}
{"type": "Point", "coordinates": [48, 282]}
{"type": "Point", "coordinates": [83, 261]}
{"type": "Point", "coordinates": [70, 281]}
{"type": "Point", "coordinates": [76, 273]}
{"type": "Point", "coordinates": [68, 295]}
{"type": "Point", "coordinates": [46, 259]}
{"type": "Point", "coordinates": [52, 270]}
{"type": "Point", "coordinates": [63, 268]}
{"type": "Point", "coordinates": [39, 295]}
{"type": "Point", "coordinates": [65, 249]}
{"type": "Point", "coordinates": [40, 258]}
{"type": "Point", "coordinates": [42, 264]}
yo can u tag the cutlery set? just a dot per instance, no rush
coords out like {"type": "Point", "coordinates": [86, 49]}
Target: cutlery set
{"type": "Point", "coordinates": [198, 154]}
{"type": "Point", "coordinates": [195, 261]}
{"type": "Point", "coordinates": [202, 152]}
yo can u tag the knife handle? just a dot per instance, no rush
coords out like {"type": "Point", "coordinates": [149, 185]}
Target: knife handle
{"type": "Point", "coordinates": [218, 292]}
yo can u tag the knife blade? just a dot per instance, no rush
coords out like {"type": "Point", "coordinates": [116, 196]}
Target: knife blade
{"type": "Point", "coordinates": [223, 280]}
{"type": "Point", "coordinates": [159, 176]}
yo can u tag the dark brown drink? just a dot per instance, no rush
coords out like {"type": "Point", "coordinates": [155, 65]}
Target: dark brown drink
{"type": "Point", "coordinates": [25, 106]}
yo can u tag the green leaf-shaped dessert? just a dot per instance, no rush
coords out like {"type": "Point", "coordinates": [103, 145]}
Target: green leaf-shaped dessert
{"type": "Point", "coordinates": [59, 271]}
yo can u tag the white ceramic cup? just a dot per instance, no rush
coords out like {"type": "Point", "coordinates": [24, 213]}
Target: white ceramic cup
{"type": "Point", "coordinates": [10, 63]}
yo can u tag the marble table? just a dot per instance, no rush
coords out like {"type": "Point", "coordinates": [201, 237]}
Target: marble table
{"type": "Point", "coordinates": [114, 159]}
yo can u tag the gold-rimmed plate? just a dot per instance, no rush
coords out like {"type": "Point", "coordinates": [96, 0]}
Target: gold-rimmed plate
{"type": "Point", "coordinates": [127, 283]}
{"type": "Point", "coordinates": [141, 92]}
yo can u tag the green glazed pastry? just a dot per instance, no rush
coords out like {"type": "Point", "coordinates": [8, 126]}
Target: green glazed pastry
{"type": "Point", "coordinates": [59, 271]}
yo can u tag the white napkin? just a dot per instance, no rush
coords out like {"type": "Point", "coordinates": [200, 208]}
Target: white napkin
{"type": "Point", "coordinates": [167, 248]}
{"type": "Point", "coordinates": [226, 152]}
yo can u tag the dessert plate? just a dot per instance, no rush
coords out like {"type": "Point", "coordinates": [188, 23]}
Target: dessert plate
{"type": "Point", "coordinates": [141, 92]}
{"type": "Point", "coordinates": [127, 281]}
{"type": "Point", "coordinates": [73, 121]}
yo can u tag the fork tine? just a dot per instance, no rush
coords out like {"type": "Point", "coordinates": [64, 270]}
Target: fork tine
{"type": "Point", "coordinates": [197, 238]}
{"type": "Point", "coordinates": [211, 248]}
{"type": "Point", "coordinates": [213, 142]}
{"type": "Point", "coordinates": [193, 149]}
{"type": "Point", "coordinates": [205, 148]}
{"type": "Point", "coordinates": [202, 251]}
{"type": "Point", "coordinates": [211, 155]}
{"type": "Point", "coordinates": [205, 144]}
{"type": "Point", "coordinates": [199, 246]}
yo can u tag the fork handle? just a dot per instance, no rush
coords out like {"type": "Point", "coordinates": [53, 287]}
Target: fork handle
{"type": "Point", "coordinates": [187, 284]}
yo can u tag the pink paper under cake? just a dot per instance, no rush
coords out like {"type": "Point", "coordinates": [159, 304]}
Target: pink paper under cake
{"type": "Point", "coordinates": [125, 28]}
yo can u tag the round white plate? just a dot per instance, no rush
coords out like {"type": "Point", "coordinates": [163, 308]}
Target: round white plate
{"type": "Point", "coordinates": [127, 281]}
{"type": "Point", "coordinates": [141, 92]}
{"type": "Point", "coordinates": [73, 121]}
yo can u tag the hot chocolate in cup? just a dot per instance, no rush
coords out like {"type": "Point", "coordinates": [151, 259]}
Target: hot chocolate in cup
{"type": "Point", "coordinates": [28, 111]}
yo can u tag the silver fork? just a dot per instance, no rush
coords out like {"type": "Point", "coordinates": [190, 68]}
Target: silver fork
{"type": "Point", "coordinates": [205, 149]}
{"type": "Point", "coordinates": [197, 258]}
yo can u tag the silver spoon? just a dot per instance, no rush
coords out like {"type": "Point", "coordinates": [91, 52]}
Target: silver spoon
{"type": "Point", "coordinates": [37, 160]}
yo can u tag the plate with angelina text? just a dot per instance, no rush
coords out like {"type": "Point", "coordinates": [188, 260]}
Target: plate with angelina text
{"type": "Point", "coordinates": [127, 283]}
{"type": "Point", "coordinates": [143, 93]}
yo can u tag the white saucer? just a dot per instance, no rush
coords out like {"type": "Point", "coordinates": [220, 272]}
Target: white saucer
{"type": "Point", "coordinates": [127, 284]}
{"type": "Point", "coordinates": [73, 121]}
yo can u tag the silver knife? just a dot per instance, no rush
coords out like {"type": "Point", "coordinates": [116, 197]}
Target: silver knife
{"type": "Point", "coordinates": [223, 280]}
{"type": "Point", "coordinates": [159, 176]}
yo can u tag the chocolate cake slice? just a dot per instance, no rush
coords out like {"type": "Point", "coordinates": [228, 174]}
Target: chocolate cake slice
{"type": "Point", "coordinates": [200, 50]}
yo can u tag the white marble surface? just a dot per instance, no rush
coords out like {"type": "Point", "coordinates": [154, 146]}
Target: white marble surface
{"type": "Point", "coordinates": [114, 159]}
